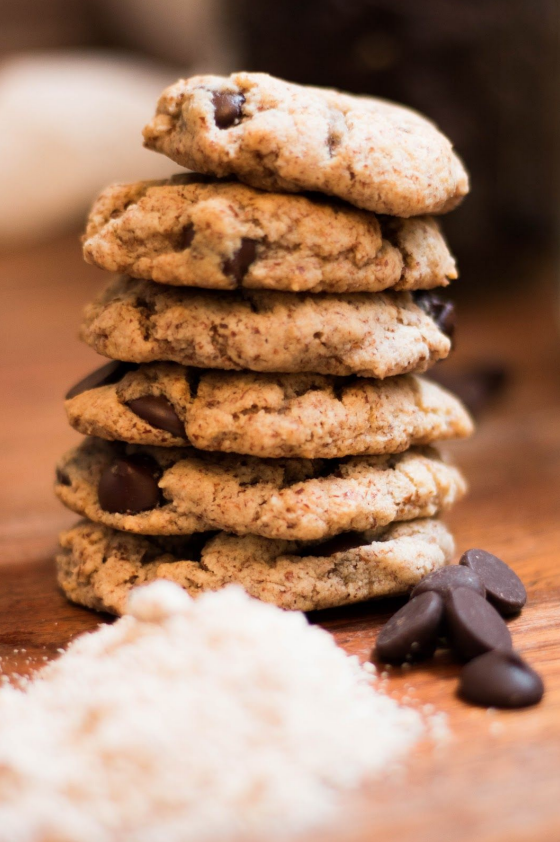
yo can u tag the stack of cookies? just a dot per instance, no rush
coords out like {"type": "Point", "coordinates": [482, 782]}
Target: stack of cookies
{"type": "Point", "coordinates": [262, 421]}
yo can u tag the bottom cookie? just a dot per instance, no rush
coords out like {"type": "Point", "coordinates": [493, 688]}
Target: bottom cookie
{"type": "Point", "coordinates": [98, 566]}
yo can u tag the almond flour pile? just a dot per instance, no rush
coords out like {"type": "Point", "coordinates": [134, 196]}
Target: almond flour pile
{"type": "Point", "coordinates": [192, 720]}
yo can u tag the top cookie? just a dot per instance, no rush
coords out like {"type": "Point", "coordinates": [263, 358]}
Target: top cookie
{"type": "Point", "coordinates": [196, 231]}
{"type": "Point", "coordinates": [280, 136]}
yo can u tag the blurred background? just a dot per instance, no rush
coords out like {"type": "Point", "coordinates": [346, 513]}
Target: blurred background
{"type": "Point", "coordinates": [80, 78]}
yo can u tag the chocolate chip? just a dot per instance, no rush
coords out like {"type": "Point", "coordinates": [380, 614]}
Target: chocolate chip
{"type": "Point", "coordinates": [501, 680]}
{"type": "Point", "coordinates": [129, 485]}
{"type": "Point", "coordinates": [62, 477]}
{"type": "Point", "coordinates": [444, 580]}
{"type": "Point", "coordinates": [185, 238]}
{"type": "Point", "coordinates": [110, 373]}
{"type": "Point", "coordinates": [338, 544]}
{"type": "Point", "coordinates": [440, 310]}
{"type": "Point", "coordinates": [412, 632]}
{"type": "Point", "coordinates": [504, 588]}
{"type": "Point", "coordinates": [159, 412]}
{"type": "Point", "coordinates": [238, 265]}
{"type": "Point", "coordinates": [227, 108]}
{"type": "Point", "coordinates": [474, 625]}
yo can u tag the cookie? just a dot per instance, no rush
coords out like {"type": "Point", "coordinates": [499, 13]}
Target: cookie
{"type": "Point", "coordinates": [97, 566]}
{"type": "Point", "coordinates": [267, 415]}
{"type": "Point", "coordinates": [178, 491]}
{"type": "Point", "coordinates": [369, 334]}
{"type": "Point", "coordinates": [225, 235]}
{"type": "Point", "coordinates": [279, 136]}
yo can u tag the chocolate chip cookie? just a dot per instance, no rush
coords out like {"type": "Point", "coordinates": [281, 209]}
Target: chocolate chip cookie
{"type": "Point", "coordinates": [369, 334]}
{"type": "Point", "coordinates": [97, 566]}
{"type": "Point", "coordinates": [178, 491]}
{"type": "Point", "coordinates": [198, 232]}
{"type": "Point", "coordinates": [266, 415]}
{"type": "Point", "coordinates": [284, 137]}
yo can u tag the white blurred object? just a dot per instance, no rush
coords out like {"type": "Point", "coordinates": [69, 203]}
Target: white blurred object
{"type": "Point", "coordinates": [71, 123]}
{"type": "Point", "coordinates": [188, 32]}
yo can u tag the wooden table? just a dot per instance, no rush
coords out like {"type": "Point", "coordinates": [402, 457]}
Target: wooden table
{"type": "Point", "coordinates": [498, 779]}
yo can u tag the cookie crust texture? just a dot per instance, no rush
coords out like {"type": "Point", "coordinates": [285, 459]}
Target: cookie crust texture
{"type": "Point", "coordinates": [296, 499]}
{"type": "Point", "coordinates": [225, 235]}
{"type": "Point", "coordinates": [285, 137]}
{"type": "Point", "coordinates": [98, 566]}
{"type": "Point", "coordinates": [292, 415]}
{"type": "Point", "coordinates": [371, 335]}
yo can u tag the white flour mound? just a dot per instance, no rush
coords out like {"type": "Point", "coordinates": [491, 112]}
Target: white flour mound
{"type": "Point", "coordinates": [192, 720]}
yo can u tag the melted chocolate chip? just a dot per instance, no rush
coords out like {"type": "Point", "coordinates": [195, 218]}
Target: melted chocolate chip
{"type": "Point", "coordinates": [129, 485]}
{"type": "Point", "coordinates": [501, 680]}
{"type": "Point", "coordinates": [338, 544]}
{"type": "Point", "coordinates": [159, 412]}
{"type": "Point", "coordinates": [112, 372]}
{"type": "Point", "coordinates": [440, 310]}
{"type": "Point", "coordinates": [227, 108]}
{"type": "Point", "coordinates": [412, 632]}
{"type": "Point", "coordinates": [504, 588]}
{"type": "Point", "coordinates": [62, 477]}
{"type": "Point", "coordinates": [238, 265]}
{"type": "Point", "coordinates": [444, 580]}
{"type": "Point", "coordinates": [475, 627]}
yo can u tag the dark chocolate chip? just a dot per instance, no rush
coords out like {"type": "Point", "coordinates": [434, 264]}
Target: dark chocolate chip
{"type": "Point", "coordinates": [159, 412]}
{"type": "Point", "coordinates": [110, 373]}
{"type": "Point", "coordinates": [474, 626]}
{"type": "Point", "coordinates": [62, 477]}
{"type": "Point", "coordinates": [338, 544]}
{"type": "Point", "coordinates": [440, 310]}
{"type": "Point", "coordinates": [444, 580]}
{"type": "Point", "coordinates": [504, 588]}
{"type": "Point", "coordinates": [129, 485]}
{"type": "Point", "coordinates": [227, 108]}
{"type": "Point", "coordinates": [412, 632]}
{"type": "Point", "coordinates": [185, 237]}
{"type": "Point", "coordinates": [501, 680]}
{"type": "Point", "coordinates": [238, 265]}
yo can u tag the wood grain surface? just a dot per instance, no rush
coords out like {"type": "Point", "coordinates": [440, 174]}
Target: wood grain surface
{"type": "Point", "coordinates": [498, 777]}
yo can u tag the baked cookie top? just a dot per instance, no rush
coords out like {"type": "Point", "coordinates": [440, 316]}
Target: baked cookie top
{"type": "Point", "coordinates": [97, 566]}
{"type": "Point", "coordinates": [266, 415]}
{"type": "Point", "coordinates": [178, 491]}
{"type": "Point", "coordinates": [372, 335]}
{"type": "Point", "coordinates": [199, 232]}
{"type": "Point", "coordinates": [277, 135]}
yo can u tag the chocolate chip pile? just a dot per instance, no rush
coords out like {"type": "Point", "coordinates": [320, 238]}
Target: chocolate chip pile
{"type": "Point", "coordinates": [262, 421]}
{"type": "Point", "coordinates": [463, 606]}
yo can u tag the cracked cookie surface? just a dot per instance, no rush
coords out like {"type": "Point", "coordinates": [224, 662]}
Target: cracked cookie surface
{"type": "Point", "coordinates": [268, 415]}
{"type": "Point", "coordinates": [97, 566]}
{"type": "Point", "coordinates": [295, 499]}
{"type": "Point", "coordinates": [369, 334]}
{"type": "Point", "coordinates": [195, 232]}
{"type": "Point", "coordinates": [277, 135]}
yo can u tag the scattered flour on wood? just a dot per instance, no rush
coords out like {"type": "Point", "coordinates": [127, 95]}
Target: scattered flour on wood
{"type": "Point", "coordinates": [192, 720]}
